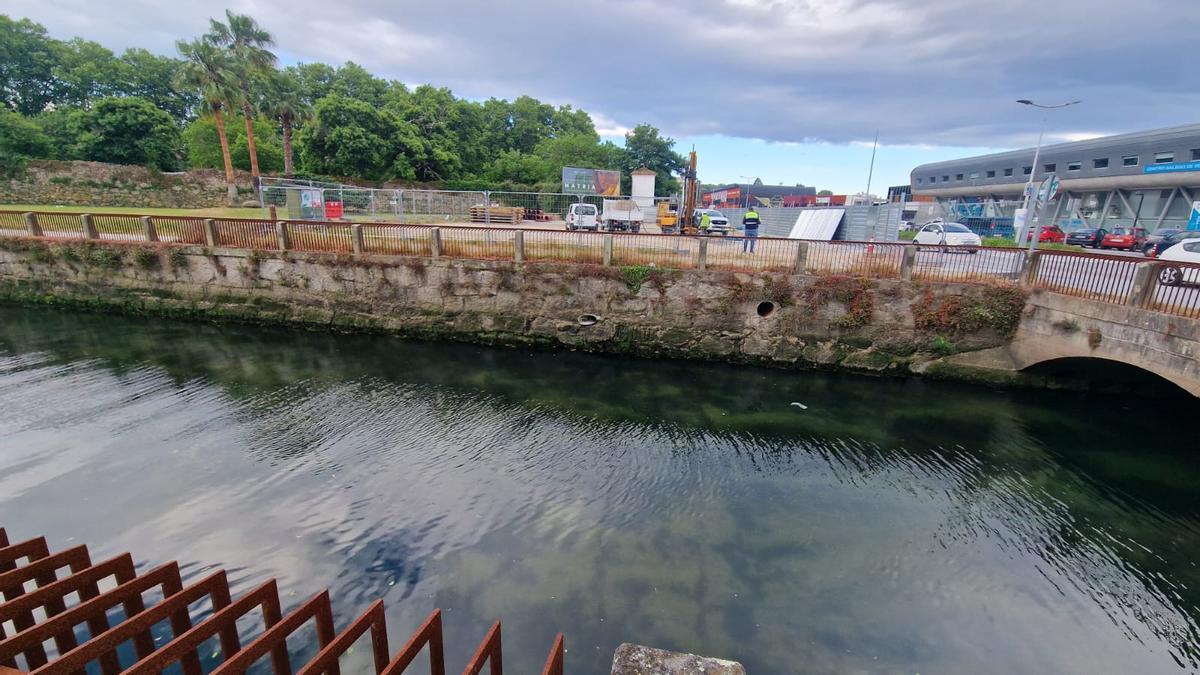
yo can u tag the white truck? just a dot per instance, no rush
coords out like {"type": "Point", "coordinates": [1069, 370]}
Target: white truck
{"type": "Point", "coordinates": [621, 215]}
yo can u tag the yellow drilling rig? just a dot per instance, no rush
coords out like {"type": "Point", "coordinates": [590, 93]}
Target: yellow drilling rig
{"type": "Point", "coordinates": [680, 218]}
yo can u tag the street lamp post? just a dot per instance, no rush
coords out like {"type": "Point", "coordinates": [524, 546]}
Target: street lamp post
{"type": "Point", "coordinates": [1037, 153]}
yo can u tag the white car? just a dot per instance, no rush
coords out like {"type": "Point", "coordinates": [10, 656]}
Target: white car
{"type": "Point", "coordinates": [945, 235]}
{"type": "Point", "coordinates": [717, 222]}
{"type": "Point", "coordinates": [1187, 251]}
{"type": "Point", "coordinates": [583, 217]}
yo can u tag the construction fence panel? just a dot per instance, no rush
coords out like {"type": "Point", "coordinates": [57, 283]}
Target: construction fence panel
{"type": "Point", "coordinates": [537, 207]}
{"type": "Point", "coordinates": [246, 233]}
{"type": "Point", "coordinates": [480, 243]}
{"type": "Point", "coordinates": [431, 207]}
{"type": "Point", "coordinates": [1176, 290]}
{"type": "Point", "coordinates": [559, 246]}
{"type": "Point", "coordinates": [754, 254]}
{"type": "Point", "coordinates": [411, 240]}
{"type": "Point", "coordinates": [870, 259]}
{"type": "Point", "coordinates": [655, 250]}
{"type": "Point", "coordinates": [321, 201]}
{"type": "Point", "coordinates": [963, 263]}
{"type": "Point", "coordinates": [1086, 275]}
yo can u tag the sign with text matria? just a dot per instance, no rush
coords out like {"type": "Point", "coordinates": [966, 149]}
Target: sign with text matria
{"type": "Point", "coordinates": [578, 181]}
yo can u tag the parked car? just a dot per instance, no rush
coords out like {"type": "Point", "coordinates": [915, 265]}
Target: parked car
{"type": "Point", "coordinates": [582, 217]}
{"type": "Point", "coordinates": [1127, 238]}
{"type": "Point", "coordinates": [1186, 252]}
{"type": "Point", "coordinates": [718, 223]}
{"type": "Point", "coordinates": [1050, 234]}
{"type": "Point", "coordinates": [1159, 235]}
{"type": "Point", "coordinates": [1085, 238]}
{"type": "Point", "coordinates": [946, 235]}
{"type": "Point", "coordinates": [1171, 240]}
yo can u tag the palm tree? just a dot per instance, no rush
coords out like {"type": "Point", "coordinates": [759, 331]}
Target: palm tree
{"type": "Point", "coordinates": [207, 69]}
{"type": "Point", "coordinates": [247, 44]}
{"type": "Point", "coordinates": [284, 101]}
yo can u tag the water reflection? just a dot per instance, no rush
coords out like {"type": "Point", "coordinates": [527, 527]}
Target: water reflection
{"type": "Point", "coordinates": [890, 526]}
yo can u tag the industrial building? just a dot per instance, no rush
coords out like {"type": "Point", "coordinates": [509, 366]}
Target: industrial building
{"type": "Point", "coordinates": [1148, 177]}
{"type": "Point", "coordinates": [737, 195]}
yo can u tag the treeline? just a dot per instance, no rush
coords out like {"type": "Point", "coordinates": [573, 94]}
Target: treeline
{"type": "Point", "coordinates": [225, 104]}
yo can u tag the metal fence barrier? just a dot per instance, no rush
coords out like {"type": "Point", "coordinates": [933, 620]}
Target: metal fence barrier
{"type": "Point", "coordinates": [181, 626]}
{"type": "Point", "coordinates": [1172, 287]}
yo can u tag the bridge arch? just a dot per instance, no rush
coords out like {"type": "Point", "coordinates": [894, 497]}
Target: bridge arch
{"type": "Point", "coordinates": [1109, 375]}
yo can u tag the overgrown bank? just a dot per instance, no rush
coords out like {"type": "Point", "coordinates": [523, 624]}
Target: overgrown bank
{"type": "Point", "coordinates": [834, 322]}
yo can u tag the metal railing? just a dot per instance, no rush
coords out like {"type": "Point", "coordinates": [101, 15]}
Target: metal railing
{"type": "Point", "coordinates": [44, 607]}
{"type": "Point", "coordinates": [1165, 287]}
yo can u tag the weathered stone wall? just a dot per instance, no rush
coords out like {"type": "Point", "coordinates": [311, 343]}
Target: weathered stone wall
{"type": "Point", "coordinates": [790, 321]}
{"type": "Point", "coordinates": [99, 184]}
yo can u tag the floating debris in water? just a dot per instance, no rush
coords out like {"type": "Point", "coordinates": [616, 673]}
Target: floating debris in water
{"type": "Point", "coordinates": [799, 405]}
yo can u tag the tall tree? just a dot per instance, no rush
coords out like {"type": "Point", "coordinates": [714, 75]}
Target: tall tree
{"type": "Point", "coordinates": [247, 44]}
{"type": "Point", "coordinates": [152, 77]}
{"type": "Point", "coordinates": [26, 66]}
{"type": "Point", "coordinates": [208, 70]}
{"type": "Point", "coordinates": [284, 100]}
{"type": "Point", "coordinates": [127, 130]}
{"type": "Point", "coordinates": [645, 147]}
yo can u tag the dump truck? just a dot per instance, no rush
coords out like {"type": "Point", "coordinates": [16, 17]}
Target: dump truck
{"type": "Point", "coordinates": [621, 215]}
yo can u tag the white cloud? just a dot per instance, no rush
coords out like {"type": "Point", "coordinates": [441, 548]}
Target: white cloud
{"type": "Point", "coordinates": [922, 73]}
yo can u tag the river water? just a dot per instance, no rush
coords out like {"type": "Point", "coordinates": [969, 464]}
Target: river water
{"type": "Point", "coordinates": [889, 526]}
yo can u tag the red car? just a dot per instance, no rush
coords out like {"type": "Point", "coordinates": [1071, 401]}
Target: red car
{"type": "Point", "coordinates": [1128, 238]}
{"type": "Point", "coordinates": [1051, 234]}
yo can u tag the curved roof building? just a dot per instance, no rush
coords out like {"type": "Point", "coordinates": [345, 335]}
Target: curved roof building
{"type": "Point", "coordinates": [1099, 178]}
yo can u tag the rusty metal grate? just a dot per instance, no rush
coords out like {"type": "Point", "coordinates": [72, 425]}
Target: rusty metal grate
{"type": "Point", "coordinates": [40, 606]}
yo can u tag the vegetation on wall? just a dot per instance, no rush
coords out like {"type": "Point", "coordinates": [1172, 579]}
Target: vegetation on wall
{"type": "Point", "coordinates": [853, 293]}
{"type": "Point", "coordinates": [997, 307]}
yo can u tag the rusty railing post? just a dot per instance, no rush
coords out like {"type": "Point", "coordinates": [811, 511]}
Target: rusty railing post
{"type": "Point", "coordinates": [356, 238]}
{"type": "Point", "coordinates": [908, 263]}
{"type": "Point", "coordinates": [801, 257]}
{"type": "Point", "coordinates": [283, 236]}
{"type": "Point", "coordinates": [702, 255]}
{"type": "Point", "coordinates": [1145, 283]}
{"type": "Point", "coordinates": [519, 246]}
{"type": "Point", "coordinates": [1029, 268]}
{"type": "Point", "coordinates": [435, 242]}
{"type": "Point", "coordinates": [89, 227]}
{"type": "Point", "coordinates": [31, 224]}
{"type": "Point", "coordinates": [607, 258]}
{"type": "Point", "coordinates": [148, 228]}
{"type": "Point", "coordinates": [210, 233]}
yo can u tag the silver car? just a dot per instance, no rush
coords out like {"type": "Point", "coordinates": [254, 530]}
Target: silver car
{"type": "Point", "coordinates": [718, 223]}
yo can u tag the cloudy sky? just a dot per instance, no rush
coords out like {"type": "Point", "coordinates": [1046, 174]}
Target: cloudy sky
{"type": "Point", "coordinates": [785, 90]}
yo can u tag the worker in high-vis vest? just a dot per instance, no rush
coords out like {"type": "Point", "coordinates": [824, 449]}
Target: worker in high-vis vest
{"type": "Point", "coordinates": [705, 222]}
{"type": "Point", "coordinates": [750, 223]}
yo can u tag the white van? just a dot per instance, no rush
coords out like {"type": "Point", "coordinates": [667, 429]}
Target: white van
{"type": "Point", "coordinates": [582, 217]}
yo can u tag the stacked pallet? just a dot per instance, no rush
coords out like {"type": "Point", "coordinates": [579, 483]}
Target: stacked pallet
{"type": "Point", "coordinates": [507, 215]}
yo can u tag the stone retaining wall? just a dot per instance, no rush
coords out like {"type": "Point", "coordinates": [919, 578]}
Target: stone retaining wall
{"type": "Point", "coordinates": [780, 320]}
{"type": "Point", "coordinates": [99, 184]}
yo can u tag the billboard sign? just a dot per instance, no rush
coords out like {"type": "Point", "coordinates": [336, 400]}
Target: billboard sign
{"type": "Point", "coordinates": [1194, 221]}
{"type": "Point", "coordinates": [1171, 167]}
{"type": "Point", "coordinates": [602, 182]}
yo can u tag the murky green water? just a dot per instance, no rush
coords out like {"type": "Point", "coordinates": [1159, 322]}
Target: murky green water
{"type": "Point", "coordinates": [889, 527]}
